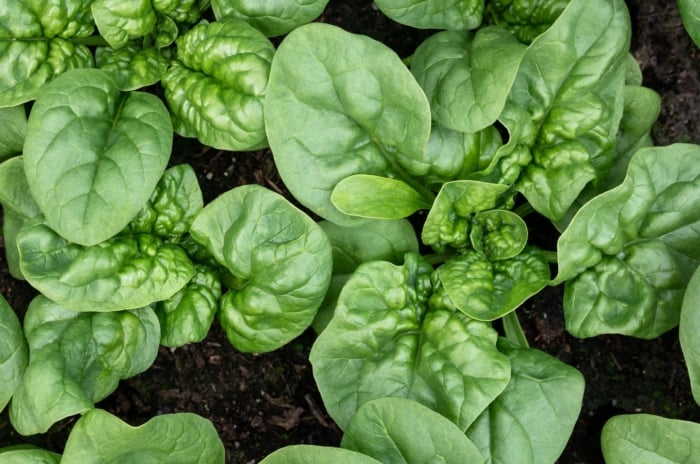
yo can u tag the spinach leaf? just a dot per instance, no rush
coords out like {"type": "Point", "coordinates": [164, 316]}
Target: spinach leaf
{"type": "Point", "coordinates": [14, 122]}
{"type": "Point", "coordinates": [339, 104]}
{"type": "Point", "coordinates": [313, 454]}
{"type": "Point", "coordinates": [131, 66]}
{"type": "Point", "coordinates": [182, 438]}
{"type": "Point", "coordinates": [215, 88]}
{"type": "Point", "coordinates": [690, 15]}
{"type": "Point", "coordinates": [687, 332]}
{"type": "Point", "coordinates": [280, 263]}
{"type": "Point", "coordinates": [434, 14]}
{"type": "Point", "coordinates": [14, 354]}
{"type": "Point", "coordinates": [644, 438]}
{"type": "Point", "coordinates": [628, 254]}
{"type": "Point", "coordinates": [94, 155]}
{"type": "Point", "coordinates": [28, 455]}
{"type": "Point", "coordinates": [526, 18]}
{"type": "Point", "coordinates": [384, 340]}
{"type": "Point", "coordinates": [398, 430]}
{"type": "Point", "coordinates": [272, 17]}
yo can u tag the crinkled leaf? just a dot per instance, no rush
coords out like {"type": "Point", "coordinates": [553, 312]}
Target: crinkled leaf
{"type": "Point", "coordinates": [280, 260]}
{"type": "Point", "coordinates": [28, 455]}
{"type": "Point", "coordinates": [186, 317]}
{"type": "Point", "coordinates": [498, 234]}
{"type": "Point", "coordinates": [648, 439]}
{"type": "Point", "coordinates": [14, 355]}
{"type": "Point", "coordinates": [376, 197]}
{"type": "Point", "coordinates": [93, 155]}
{"type": "Point", "coordinates": [182, 438]}
{"type": "Point", "coordinates": [182, 11]}
{"type": "Point", "coordinates": [216, 87]}
{"type": "Point", "coordinates": [120, 21]}
{"type": "Point", "coordinates": [125, 272]}
{"type": "Point", "coordinates": [532, 420]}
{"type": "Point", "coordinates": [449, 218]}
{"type": "Point", "coordinates": [434, 14]}
{"type": "Point", "coordinates": [486, 290]}
{"type": "Point", "coordinates": [132, 67]}
{"type": "Point", "coordinates": [688, 329]}
{"type": "Point", "coordinates": [272, 17]}
{"type": "Point", "coordinates": [565, 106]}
{"type": "Point", "coordinates": [339, 104]}
{"type": "Point", "coordinates": [526, 18]}
{"type": "Point", "coordinates": [384, 341]}
{"type": "Point", "coordinates": [628, 254]}
{"type": "Point", "coordinates": [313, 454]}
{"type": "Point", "coordinates": [690, 14]}
{"type": "Point", "coordinates": [78, 359]}
{"type": "Point", "coordinates": [399, 431]}
{"type": "Point", "coordinates": [467, 76]}
{"type": "Point", "coordinates": [13, 120]}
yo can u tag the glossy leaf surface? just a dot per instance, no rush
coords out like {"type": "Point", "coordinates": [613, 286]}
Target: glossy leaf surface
{"type": "Point", "coordinates": [132, 67]}
{"type": "Point", "coordinates": [272, 17]}
{"type": "Point", "coordinates": [434, 14]}
{"type": "Point", "coordinates": [526, 18]}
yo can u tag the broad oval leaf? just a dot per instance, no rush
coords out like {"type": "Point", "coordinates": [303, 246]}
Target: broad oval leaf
{"type": "Point", "coordinates": [688, 329]}
{"type": "Point", "coordinates": [272, 17]}
{"type": "Point", "coordinates": [384, 341]}
{"type": "Point", "coordinates": [125, 272]}
{"type": "Point", "coordinates": [398, 430]}
{"type": "Point", "coordinates": [313, 454]}
{"type": "Point", "coordinates": [339, 104]}
{"type": "Point", "coordinates": [28, 455]}
{"type": "Point", "coordinates": [280, 261]}
{"type": "Point", "coordinates": [434, 14]}
{"type": "Point", "coordinates": [648, 439]}
{"type": "Point", "coordinates": [14, 354]}
{"type": "Point", "coordinates": [690, 14]}
{"type": "Point", "coordinates": [216, 87]}
{"type": "Point", "coordinates": [180, 438]}
{"type": "Point", "coordinates": [93, 155]}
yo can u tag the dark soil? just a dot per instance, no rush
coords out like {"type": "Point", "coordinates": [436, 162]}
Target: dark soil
{"type": "Point", "coordinates": [260, 403]}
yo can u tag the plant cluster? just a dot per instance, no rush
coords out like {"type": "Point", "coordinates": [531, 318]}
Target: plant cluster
{"type": "Point", "coordinates": [509, 109]}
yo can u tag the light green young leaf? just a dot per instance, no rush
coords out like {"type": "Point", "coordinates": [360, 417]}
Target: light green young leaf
{"type": "Point", "coordinates": [28, 455]}
{"type": "Point", "coordinates": [434, 14]}
{"type": "Point", "coordinates": [688, 329]}
{"type": "Point", "coordinates": [182, 438]}
{"type": "Point", "coordinates": [125, 272]}
{"type": "Point", "coordinates": [216, 87]}
{"type": "Point", "coordinates": [690, 15]}
{"type": "Point", "coordinates": [313, 454]}
{"type": "Point", "coordinates": [14, 354]}
{"type": "Point", "coordinates": [78, 359]}
{"type": "Point", "coordinates": [181, 11]}
{"type": "Point", "coordinates": [526, 18]}
{"type": "Point", "coordinates": [120, 21]}
{"type": "Point", "coordinates": [93, 155]}
{"type": "Point", "coordinates": [467, 76]}
{"type": "Point", "coordinates": [339, 104]}
{"type": "Point", "coordinates": [384, 341]}
{"type": "Point", "coordinates": [13, 120]}
{"type": "Point", "coordinates": [272, 17]}
{"type": "Point", "coordinates": [280, 261]}
{"type": "Point", "coordinates": [377, 197]}
{"type": "Point", "coordinates": [532, 420]}
{"type": "Point", "coordinates": [628, 254]}
{"type": "Point", "coordinates": [648, 439]}
{"type": "Point", "coordinates": [397, 430]}
{"type": "Point", "coordinates": [132, 67]}
{"type": "Point", "coordinates": [498, 234]}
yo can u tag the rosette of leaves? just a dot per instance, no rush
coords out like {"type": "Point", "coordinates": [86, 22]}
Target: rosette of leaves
{"type": "Point", "coordinates": [216, 86]}
{"type": "Point", "coordinates": [272, 17]}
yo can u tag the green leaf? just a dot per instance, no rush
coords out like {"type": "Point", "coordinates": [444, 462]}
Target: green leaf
{"type": "Point", "coordinates": [272, 17]}
{"type": "Point", "coordinates": [527, 19]}
{"type": "Point", "coordinates": [687, 332]}
{"type": "Point", "coordinates": [182, 438]}
{"type": "Point", "coordinates": [94, 155]}
{"type": "Point", "coordinates": [14, 355]}
{"type": "Point", "coordinates": [132, 67]}
{"type": "Point", "coordinates": [628, 254]}
{"type": "Point", "coordinates": [434, 14]}
{"type": "Point", "coordinates": [120, 21]}
{"type": "Point", "coordinates": [14, 123]}
{"type": "Point", "coordinates": [467, 76]}
{"type": "Point", "coordinates": [648, 439]}
{"type": "Point", "coordinates": [398, 430]}
{"type": "Point", "coordinates": [78, 359]}
{"type": "Point", "coordinates": [690, 14]}
{"type": "Point", "coordinates": [532, 420]}
{"type": "Point", "coordinates": [313, 454]}
{"type": "Point", "coordinates": [125, 272]}
{"type": "Point", "coordinates": [376, 197]}
{"type": "Point", "coordinates": [384, 341]}
{"type": "Point", "coordinates": [280, 260]}
{"type": "Point", "coordinates": [28, 455]}
{"type": "Point", "coordinates": [339, 104]}
{"type": "Point", "coordinates": [216, 87]}
{"type": "Point", "coordinates": [498, 233]}
{"type": "Point", "coordinates": [487, 290]}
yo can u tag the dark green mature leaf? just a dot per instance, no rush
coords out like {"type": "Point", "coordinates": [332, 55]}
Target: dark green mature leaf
{"type": "Point", "coordinates": [434, 14]}
{"type": "Point", "coordinates": [272, 17]}
{"type": "Point", "coordinates": [28, 455]}
{"type": "Point", "coordinates": [14, 354]}
{"type": "Point", "coordinates": [280, 261]}
{"type": "Point", "coordinates": [532, 420]}
{"type": "Point", "coordinates": [339, 104]}
{"type": "Point", "coordinates": [312, 454]}
{"type": "Point", "coordinates": [397, 430]}
{"type": "Point", "coordinates": [216, 87]}
{"type": "Point", "coordinates": [181, 438]}
{"type": "Point", "coordinates": [125, 272]}
{"type": "Point", "coordinates": [377, 197]}
{"type": "Point", "coordinates": [78, 359]}
{"type": "Point", "coordinates": [132, 67]}
{"type": "Point", "coordinates": [628, 254]}
{"type": "Point", "coordinates": [384, 341]}
{"type": "Point", "coordinates": [648, 439]}
{"type": "Point", "coordinates": [13, 120]}
{"type": "Point", "coordinates": [93, 155]}
{"type": "Point", "coordinates": [688, 330]}
{"type": "Point", "coordinates": [690, 14]}
{"type": "Point", "coordinates": [526, 18]}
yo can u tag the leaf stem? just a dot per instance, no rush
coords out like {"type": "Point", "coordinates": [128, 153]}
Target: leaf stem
{"type": "Point", "coordinates": [550, 256]}
{"type": "Point", "coordinates": [514, 331]}
{"type": "Point", "coordinates": [524, 210]}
